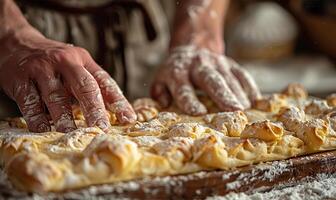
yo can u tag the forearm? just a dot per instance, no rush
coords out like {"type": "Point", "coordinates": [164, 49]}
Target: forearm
{"type": "Point", "coordinates": [199, 24]}
{"type": "Point", "coordinates": [14, 28]}
{"type": "Point", "coordinates": [10, 17]}
{"type": "Point", "coordinates": [199, 20]}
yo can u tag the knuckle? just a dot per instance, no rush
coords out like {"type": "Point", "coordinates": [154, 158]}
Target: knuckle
{"type": "Point", "coordinates": [82, 51]}
{"type": "Point", "coordinates": [185, 93]}
{"type": "Point", "coordinates": [66, 54]}
{"type": "Point", "coordinates": [57, 97]}
{"type": "Point", "coordinates": [213, 79]}
{"type": "Point", "coordinates": [31, 100]}
{"type": "Point", "coordinates": [177, 74]}
{"type": "Point", "coordinates": [31, 112]}
{"type": "Point", "coordinates": [118, 106]}
{"type": "Point", "coordinates": [90, 97]}
{"type": "Point", "coordinates": [85, 55]}
{"type": "Point", "coordinates": [104, 79]}
{"type": "Point", "coordinates": [34, 117]}
{"type": "Point", "coordinates": [110, 86]}
{"type": "Point", "coordinates": [223, 61]}
{"type": "Point", "coordinates": [100, 75]}
{"type": "Point", "coordinates": [92, 111]}
{"type": "Point", "coordinates": [60, 55]}
{"type": "Point", "coordinates": [94, 115]}
{"type": "Point", "coordinates": [18, 90]}
{"type": "Point", "coordinates": [86, 84]}
{"type": "Point", "coordinates": [201, 71]}
{"type": "Point", "coordinates": [89, 91]}
{"type": "Point", "coordinates": [54, 92]}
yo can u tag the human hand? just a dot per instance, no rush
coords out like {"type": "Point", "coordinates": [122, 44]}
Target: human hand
{"type": "Point", "coordinates": [197, 59]}
{"type": "Point", "coordinates": [222, 79]}
{"type": "Point", "coordinates": [40, 73]}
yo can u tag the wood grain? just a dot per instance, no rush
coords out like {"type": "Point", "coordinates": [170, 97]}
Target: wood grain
{"type": "Point", "coordinates": [261, 177]}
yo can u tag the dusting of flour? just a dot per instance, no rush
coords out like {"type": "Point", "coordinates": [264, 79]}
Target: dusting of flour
{"type": "Point", "coordinates": [321, 187]}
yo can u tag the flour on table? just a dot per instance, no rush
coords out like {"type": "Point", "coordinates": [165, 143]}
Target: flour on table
{"type": "Point", "coordinates": [322, 187]}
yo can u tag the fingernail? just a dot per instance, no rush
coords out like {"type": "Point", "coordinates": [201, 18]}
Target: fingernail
{"type": "Point", "coordinates": [65, 123]}
{"type": "Point", "coordinates": [131, 116]}
{"type": "Point", "coordinates": [235, 107]}
{"type": "Point", "coordinates": [245, 104]}
{"type": "Point", "coordinates": [102, 124]}
{"type": "Point", "coordinates": [43, 128]}
{"type": "Point", "coordinates": [198, 109]}
{"type": "Point", "coordinates": [127, 117]}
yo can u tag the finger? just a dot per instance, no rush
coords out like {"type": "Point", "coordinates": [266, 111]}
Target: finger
{"type": "Point", "coordinates": [86, 90]}
{"type": "Point", "coordinates": [31, 106]}
{"type": "Point", "coordinates": [246, 81]}
{"type": "Point", "coordinates": [212, 82]}
{"type": "Point", "coordinates": [233, 83]}
{"type": "Point", "coordinates": [58, 102]}
{"type": "Point", "coordinates": [114, 99]}
{"type": "Point", "coordinates": [160, 93]}
{"type": "Point", "coordinates": [183, 93]}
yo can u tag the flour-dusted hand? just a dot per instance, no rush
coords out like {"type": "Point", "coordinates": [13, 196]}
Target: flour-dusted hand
{"type": "Point", "coordinates": [196, 61]}
{"type": "Point", "coordinates": [188, 68]}
{"type": "Point", "coordinates": [41, 74]}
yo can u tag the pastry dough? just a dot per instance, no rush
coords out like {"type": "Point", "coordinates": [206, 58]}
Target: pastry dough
{"type": "Point", "coordinates": [264, 130]}
{"type": "Point", "coordinates": [230, 123]}
{"type": "Point", "coordinates": [296, 91]}
{"type": "Point", "coordinates": [163, 142]}
{"type": "Point", "coordinates": [331, 99]}
{"type": "Point", "coordinates": [272, 103]}
{"type": "Point", "coordinates": [291, 117]}
{"type": "Point", "coordinates": [317, 107]}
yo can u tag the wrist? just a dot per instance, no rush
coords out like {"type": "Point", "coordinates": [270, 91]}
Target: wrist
{"type": "Point", "coordinates": [20, 37]}
{"type": "Point", "coordinates": [210, 38]}
{"type": "Point", "coordinates": [200, 23]}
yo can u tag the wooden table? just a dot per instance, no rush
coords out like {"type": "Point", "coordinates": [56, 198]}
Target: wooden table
{"type": "Point", "coordinates": [261, 177]}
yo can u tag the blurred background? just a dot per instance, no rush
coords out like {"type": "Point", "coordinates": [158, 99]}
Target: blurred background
{"type": "Point", "coordinates": [285, 41]}
{"type": "Point", "coordinates": [277, 41]}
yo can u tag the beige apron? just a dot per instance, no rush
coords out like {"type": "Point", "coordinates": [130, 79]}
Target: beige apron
{"type": "Point", "coordinates": [142, 56]}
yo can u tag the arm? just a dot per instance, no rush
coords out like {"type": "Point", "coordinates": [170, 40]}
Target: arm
{"type": "Point", "coordinates": [37, 72]}
{"type": "Point", "coordinates": [13, 24]}
{"type": "Point", "coordinates": [10, 18]}
{"type": "Point", "coordinates": [198, 20]}
{"type": "Point", "coordinates": [196, 60]}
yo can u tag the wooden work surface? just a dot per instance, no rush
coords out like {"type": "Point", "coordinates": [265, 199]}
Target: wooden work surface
{"type": "Point", "coordinates": [199, 185]}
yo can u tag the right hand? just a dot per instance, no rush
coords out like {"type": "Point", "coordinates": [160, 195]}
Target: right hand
{"type": "Point", "coordinates": [197, 61]}
{"type": "Point", "coordinates": [41, 73]}
{"type": "Point", "coordinates": [222, 79]}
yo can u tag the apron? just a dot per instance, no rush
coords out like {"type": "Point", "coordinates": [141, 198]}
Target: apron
{"type": "Point", "coordinates": [128, 38]}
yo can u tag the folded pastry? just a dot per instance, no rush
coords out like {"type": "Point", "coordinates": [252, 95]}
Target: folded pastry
{"type": "Point", "coordinates": [230, 123]}
{"type": "Point", "coordinates": [163, 142]}
{"type": "Point", "coordinates": [263, 130]}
